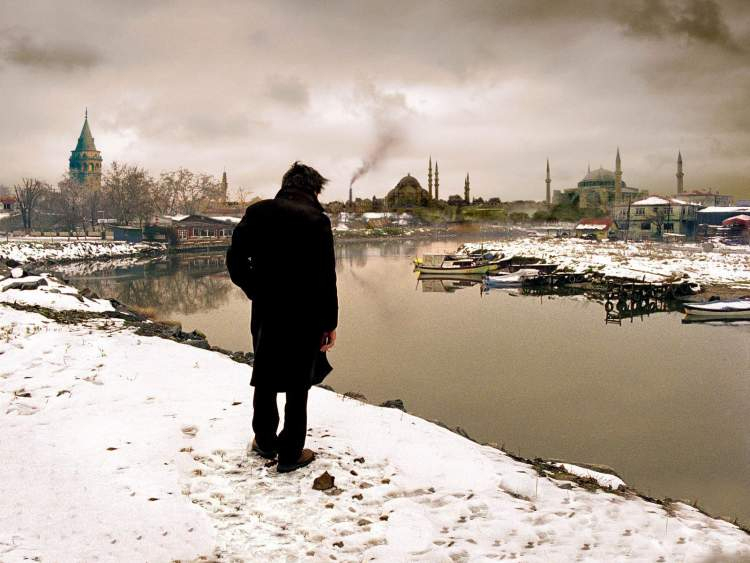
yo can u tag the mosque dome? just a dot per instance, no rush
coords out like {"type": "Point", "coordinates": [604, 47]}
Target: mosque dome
{"type": "Point", "coordinates": [408, 181]}
{"type": "Point", "coordinates": [599, 175]}
{"type": "Point", "coordinates": [407, 193]}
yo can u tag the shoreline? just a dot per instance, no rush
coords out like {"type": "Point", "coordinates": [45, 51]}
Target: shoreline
{"type": "Point", "coordinates": [382, 488]}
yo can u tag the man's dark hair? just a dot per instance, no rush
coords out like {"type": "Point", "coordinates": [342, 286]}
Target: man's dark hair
{"type": "Point", "coordinates": [303, 177]}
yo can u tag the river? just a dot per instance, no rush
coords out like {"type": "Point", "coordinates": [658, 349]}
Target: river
{"type": "Point", "coordinates": [666, 404]}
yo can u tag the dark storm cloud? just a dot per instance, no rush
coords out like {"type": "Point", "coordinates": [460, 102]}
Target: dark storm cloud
{"type": "Point", "coordinates": [288, 90]}
{"type": "Point", "coordinates": [21, 49]}
{"type": "Point", "coordinates": [700, 20]}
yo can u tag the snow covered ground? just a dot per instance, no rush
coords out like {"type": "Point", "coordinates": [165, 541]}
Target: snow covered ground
{"type": "Point", "coordinates": [120, 447]}
{"type": "Point", "coordinates": [25, 252]}
{"type": "Point", "coordinates": [642, 260]}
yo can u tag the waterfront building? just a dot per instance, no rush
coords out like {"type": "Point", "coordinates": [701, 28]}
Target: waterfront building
{"type": "Point", "coordinates": [707, 198]}
{"type": "Point", "coordinates": [599, 227]}
{"type": "Point", "coordinates": [85, 162]}
{"type": "Point", "coordinates": [600, 189]}
{"type": "Point", "coordinates": [407, 193]}
{"type": "Point", "coordinates": [715, 214]}
{"type": "Point", "coordinates": [655, 217]}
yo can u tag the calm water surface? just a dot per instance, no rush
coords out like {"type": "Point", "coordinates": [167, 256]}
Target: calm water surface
{"type": "Point", "coordinates": [664, 403]}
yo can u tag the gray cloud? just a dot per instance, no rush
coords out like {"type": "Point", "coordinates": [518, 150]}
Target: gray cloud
{"type": "Point", "coordinates": [700, 20]}
{"type": "Point", "coordinates": [487, 87]}
{"type": "Point", "coordinates": [25, 51]}
{"type": "Point", "coordinates": [288, 90]}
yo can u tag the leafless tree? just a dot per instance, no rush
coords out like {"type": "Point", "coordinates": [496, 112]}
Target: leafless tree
{"type": "Point", "coordinates": [69, 203]}
{"type": "Point", "coordinates": [183, 191]}
{"type": "Point", "coordinates": [128, 193]}
{"type": "Point", "coordinates": [29, 194]}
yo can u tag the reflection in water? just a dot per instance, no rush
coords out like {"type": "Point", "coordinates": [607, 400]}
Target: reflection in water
{"type": "Point", "coordinates": [666, 404]}
{"type": "Point", "coordinates": [175, 283]}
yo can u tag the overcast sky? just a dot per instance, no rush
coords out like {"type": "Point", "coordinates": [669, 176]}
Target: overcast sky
{"type": "Point", "coordinates": [492, 88]}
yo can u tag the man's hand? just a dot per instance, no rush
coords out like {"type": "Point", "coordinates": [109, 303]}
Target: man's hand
{"type": "Point", "coordinates": [327, 341]}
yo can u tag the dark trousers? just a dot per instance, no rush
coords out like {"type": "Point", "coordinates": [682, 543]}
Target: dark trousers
{"type": "Point", "coordinates": [291, 440]}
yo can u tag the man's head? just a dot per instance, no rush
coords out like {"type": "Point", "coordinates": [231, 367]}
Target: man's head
{"type": "Point", "coordinates": [303, 177]}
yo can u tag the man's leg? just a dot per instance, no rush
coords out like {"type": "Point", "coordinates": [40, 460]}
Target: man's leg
{"type": "Point", "coordinates": [265, 419]}
{"type": "Point", "coordinates": [292, 437]}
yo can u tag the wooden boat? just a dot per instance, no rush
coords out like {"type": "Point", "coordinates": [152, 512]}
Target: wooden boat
{"type": "Point", "coordinates": [457, 263]}
{"type": "Point", "coordinates": [722, 310]}
{"type": "Point", "coordinates": [514, 279]}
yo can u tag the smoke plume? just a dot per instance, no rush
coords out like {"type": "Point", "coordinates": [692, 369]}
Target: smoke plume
{"type": "Point", "coordinates": [388, 136]}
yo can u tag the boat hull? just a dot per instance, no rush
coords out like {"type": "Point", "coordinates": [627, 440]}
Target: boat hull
{"type": "Point", "coordinates": [468, 270]}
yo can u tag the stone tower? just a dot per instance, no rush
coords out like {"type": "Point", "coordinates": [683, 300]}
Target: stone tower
{"type": "Point", "coordinates": [224, 187]}
{"type": "Point", "coordinates": [680, 175]}
{"type": "Point", "coordinates": [467, 189]}
{"type": "Point", "coordinates": [437, 181]}
{"type": "Point", "coordinates": [618, 177]}
{"type": "Point", "coordinates": [429, 178]}
{"type": "Point", "coordinates": [548, 181]}
{"type": "Point", "coordinates": [85, 161]}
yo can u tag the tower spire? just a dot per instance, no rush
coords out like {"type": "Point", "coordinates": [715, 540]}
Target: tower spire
{"type": "Point", "coordinates": [467, 189]}
{"type": "Point", "coordinates": [679, 174]}
{"type": "Point", "coordinates": [618, 177]}
{"type": "Point", "coordinates": [429, 177]}
{"type": "Point", "coordinates": [548, 181]}
{"type": "Point", "coordinates": [437, 181]}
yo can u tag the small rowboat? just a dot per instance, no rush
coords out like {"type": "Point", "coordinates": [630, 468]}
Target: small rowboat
{"type": "Point", "coordinates": [457, 264]}
{"type": "Point", "coordinates": [512, 280]}
{"type": "Point", "coordinates": [729, 310]}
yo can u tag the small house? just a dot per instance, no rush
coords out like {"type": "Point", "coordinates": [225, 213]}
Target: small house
{"type": "Point", "coordinates": [595, 227]}
{"type": "Point", "coordinates": [655, 216]}
{"type": "Point", "coordinates": [125, 233]}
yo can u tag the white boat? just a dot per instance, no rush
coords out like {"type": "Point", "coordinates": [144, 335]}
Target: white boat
{"type": "Point", "coordinates": [515, 279]}
{"type": "Point", "coordinates": [735, 309]}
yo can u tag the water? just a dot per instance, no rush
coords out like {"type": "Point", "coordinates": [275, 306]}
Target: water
{"type": "Point", "coordinates": [664, 403]}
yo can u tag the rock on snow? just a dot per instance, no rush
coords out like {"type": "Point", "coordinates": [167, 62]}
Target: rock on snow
{"type": "Point", "coordinates": [120, 447]}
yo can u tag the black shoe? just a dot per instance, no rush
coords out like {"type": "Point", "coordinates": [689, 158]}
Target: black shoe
{"type": "Point", "coordinates": [305, 458]}
{"type": "Point", "coordinates": [268, 454]}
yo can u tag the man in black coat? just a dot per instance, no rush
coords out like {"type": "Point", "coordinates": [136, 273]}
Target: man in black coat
{"type": "Point", "coordinates": [282, 257]}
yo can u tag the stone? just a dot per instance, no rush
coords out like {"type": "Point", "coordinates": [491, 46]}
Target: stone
{"type": "Point", "coordinates": [356, 396]}
{"type": "Point", "coordinates": [323, 482]}
{"type": "Point", "coordinates": [394, 404]}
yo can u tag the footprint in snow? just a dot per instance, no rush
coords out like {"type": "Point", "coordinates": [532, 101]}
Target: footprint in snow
{"type": "Point", "coordinates": [189, 430]}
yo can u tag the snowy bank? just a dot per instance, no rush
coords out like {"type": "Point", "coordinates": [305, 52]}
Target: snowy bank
{"type": "Point", "coordinates": [25, 252]}
{"type": "Point", "coordinates": [123, 447]}
{"type": "Point", "coordinates": [647, 261]}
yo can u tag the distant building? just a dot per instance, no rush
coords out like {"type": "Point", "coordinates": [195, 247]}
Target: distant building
{"type": "Point", "coordinates": [714, 215]}
{"type": "Point", "coordinates": [599, 189]}
{"type": "Point", "coordinates": [407, 193]}
{"type": "Point", "coordinates": [655, 217]}
{"type": "Point", "coordinates": [707, 198]}
{"type": "Point", "coordinates": [199, 227]}
{"type": "Point", "coordinates": [85, 162]}
{"type": "Point", "coordinates": [599, 227]}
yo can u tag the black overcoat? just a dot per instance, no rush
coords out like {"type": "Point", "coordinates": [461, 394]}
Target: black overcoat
{"type": "Point", "coordinates": [283, 259]}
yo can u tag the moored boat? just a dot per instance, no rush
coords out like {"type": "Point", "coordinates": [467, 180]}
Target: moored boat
{"type": "Point", "coordinates": [457, 264]}
{"type": "Point", "coordinates": [514, 279]}
{"type": "Point", "coordinates": [734, 310]}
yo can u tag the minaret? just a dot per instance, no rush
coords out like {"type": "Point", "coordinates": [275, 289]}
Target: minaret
{"type": "Point", "coordinates": [429, 177]}
{"type": "Point", "coordinates": [679, 174]}
{"type": "Point", "coordinates": [437, 181]}
{"type": "Point", "coordinates": [85, 161]}
{"type": "Point", "coordinates": [224, 186]}
{"type": "Point", "coordinates": [467, 197]}
{"type": "Point", "coordinates": [548, 181]}
{"type": "Point", "coordinates": [618, 177]}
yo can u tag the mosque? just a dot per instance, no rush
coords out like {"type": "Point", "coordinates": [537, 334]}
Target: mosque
{"type": "Point", "coordinates": [408, 192]}
{"type": "Point", "coordinates": [598, 189]}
